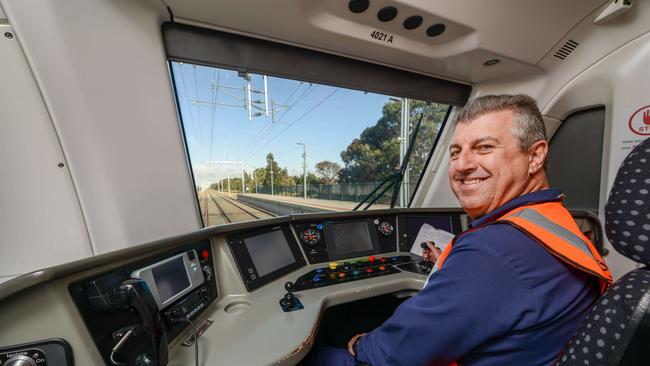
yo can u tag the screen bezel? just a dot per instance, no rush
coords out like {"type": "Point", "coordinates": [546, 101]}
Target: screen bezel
{"type": "Point", "coordinates": [194, 277]}
{"type": "Point", "coordinates": [244, 261]}
{"type": "Point", "coordinates": [331, 244]}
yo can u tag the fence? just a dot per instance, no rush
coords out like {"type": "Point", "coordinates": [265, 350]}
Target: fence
{"type": "Point", "coordinates": [353, 192]}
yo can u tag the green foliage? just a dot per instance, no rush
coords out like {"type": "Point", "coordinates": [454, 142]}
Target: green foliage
{"type": "Point", "coordinates": [328, 171]}
{"type": "Point", "coordinates": [311, 179]}
{"type": "Point", "coordinates": [375, 154]}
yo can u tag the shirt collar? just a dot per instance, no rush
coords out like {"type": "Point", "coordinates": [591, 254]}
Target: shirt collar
{"type": "Point", "coordinates": [544, 195]}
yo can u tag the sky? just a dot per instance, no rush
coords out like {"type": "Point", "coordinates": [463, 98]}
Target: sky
{"type": "Point", "coordinates": [325, 118]}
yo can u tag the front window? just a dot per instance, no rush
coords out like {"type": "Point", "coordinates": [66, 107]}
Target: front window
{"type": "Point", "coordinates": [261, 145]}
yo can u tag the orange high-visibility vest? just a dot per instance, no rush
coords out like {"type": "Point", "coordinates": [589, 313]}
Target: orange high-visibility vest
{"type": "Point", "coordinates": [553, 227]}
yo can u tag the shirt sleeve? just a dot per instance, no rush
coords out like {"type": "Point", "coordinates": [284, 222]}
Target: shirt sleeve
{"type": "Point", "coordinates": [473, 298]}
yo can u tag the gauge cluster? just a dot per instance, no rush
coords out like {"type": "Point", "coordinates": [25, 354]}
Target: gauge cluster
{"type": "Point", "coordinates": [329, 240]}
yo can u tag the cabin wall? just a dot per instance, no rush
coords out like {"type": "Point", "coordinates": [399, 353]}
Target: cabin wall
{"type": "Point", "coordinates": [106, 110]}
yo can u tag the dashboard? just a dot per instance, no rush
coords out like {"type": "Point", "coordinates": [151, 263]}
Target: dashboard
{"type": "Point", "coordinates": [265, 283]}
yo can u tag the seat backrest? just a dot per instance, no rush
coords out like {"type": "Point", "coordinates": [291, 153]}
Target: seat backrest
{"type": "Point", "coordinates": [617, 330]}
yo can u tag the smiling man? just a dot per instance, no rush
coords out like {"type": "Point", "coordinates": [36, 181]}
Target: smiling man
{"type": "Point", "coordinates": [512, 289]}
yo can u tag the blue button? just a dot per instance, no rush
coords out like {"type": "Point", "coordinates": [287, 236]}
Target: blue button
{"type": "Point", "coordinates": [315, 279]}
{"type": "Point", "coordinates": [355, 273]}
{"type": "Point", "coordinates": [394, 259]}
{"type": "Point", "coordinates": [319, 226]}
{"type": "Point", "coordinates": [319, 270]}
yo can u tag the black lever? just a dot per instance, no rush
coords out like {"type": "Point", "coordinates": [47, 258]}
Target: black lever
{"type": "Point", "coordinates": [289, 301]}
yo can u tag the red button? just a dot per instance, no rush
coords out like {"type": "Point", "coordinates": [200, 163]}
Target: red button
{"type": "Point", "coordinates": [382, 259]}
{"type": "Point", "coordinates": [205, 254]}
{"type": "Point", "coordinates": [369, 270]}
{"type": "Point", "coordinates": [371, 258]}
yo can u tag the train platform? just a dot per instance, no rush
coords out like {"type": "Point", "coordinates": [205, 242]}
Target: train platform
{"type": "Point", "coordinates": [285, 205]}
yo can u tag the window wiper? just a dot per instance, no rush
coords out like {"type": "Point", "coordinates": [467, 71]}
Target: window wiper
{"type": "Point", "coordinates": [395, 180]}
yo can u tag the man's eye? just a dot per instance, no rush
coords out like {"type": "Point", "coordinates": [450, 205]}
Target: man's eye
{"type": "Point", "coordinates": [485, 148]}
{"type": "Point", "coordinates": [453, 154]}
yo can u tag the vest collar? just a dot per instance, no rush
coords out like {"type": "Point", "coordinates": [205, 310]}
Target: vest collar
{"type": "Point", "coordinates": [544, 195]}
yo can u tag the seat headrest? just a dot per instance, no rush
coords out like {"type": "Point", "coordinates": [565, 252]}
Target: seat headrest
{"type": "Point", "coordinates": [627, 212]}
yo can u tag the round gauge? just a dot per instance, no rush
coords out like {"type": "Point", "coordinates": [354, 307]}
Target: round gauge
{"type": "Point", "coordinates": [385, 228]}
{"type": "Point", "coordinates": [310, 236]}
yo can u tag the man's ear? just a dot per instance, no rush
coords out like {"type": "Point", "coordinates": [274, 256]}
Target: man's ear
{"type": "Point", "coordinates": [537, 158]}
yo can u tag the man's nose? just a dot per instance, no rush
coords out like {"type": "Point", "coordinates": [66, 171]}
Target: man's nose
{"type": "Point", "coordinates": [465, 162]}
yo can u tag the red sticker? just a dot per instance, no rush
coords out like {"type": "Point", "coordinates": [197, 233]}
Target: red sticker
{"type": "Point", "coordinates": [640, 121]}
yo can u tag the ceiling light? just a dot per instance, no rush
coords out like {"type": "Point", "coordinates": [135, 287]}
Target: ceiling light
{"type": "Point", "coordinates": [387, 13]}
{"type": "Point", "coordinates": [358, 6]}
{"type": "Point", "coordinates": [436, 30]}
{"type": "Point", "coordinates": [412, 22]}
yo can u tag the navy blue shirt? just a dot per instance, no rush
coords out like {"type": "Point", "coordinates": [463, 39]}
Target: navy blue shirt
{"type": "Point", "coordinates": [500, 299]}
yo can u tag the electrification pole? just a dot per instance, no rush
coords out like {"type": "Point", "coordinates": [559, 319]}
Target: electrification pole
{"type": "Point", "coordinates": [304, 169]}
{"type": "Point", "coordinates": [271, 177]}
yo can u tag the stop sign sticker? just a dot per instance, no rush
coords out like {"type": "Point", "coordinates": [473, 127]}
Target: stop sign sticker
{"type": "Point", "coordinates": [640, 121]}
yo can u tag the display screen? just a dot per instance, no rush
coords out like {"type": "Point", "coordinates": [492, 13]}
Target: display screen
{"type": "Point", "coordinates": [171, 278]}
{"type": "Point", "coordinates": [269, 252]}
{"type": "Point", "coordinates": [347, 238]}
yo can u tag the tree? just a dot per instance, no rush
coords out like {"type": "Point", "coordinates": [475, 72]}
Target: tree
{"type": "Point", "coordinates": [328, 171]}
{"type": "Point", "coordinates": [375, 154]}
{"type": "Point", "coordinates": [311, 179]}
{"type": "Point", "coordinates": [280, 175]}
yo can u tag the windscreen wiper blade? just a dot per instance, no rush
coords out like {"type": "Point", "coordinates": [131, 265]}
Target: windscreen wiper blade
{"type": "Point", "coordinates": [394, 180]}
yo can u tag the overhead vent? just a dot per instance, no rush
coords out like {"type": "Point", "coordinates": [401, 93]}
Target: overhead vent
{"type": "Point", "coordinates": [566, 49]}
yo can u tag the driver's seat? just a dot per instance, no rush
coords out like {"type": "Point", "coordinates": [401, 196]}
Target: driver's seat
{"type": "Point", "coordinates": [617, 330]}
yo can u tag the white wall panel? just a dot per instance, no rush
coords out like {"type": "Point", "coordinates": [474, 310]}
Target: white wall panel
{"type": "Point", "coordinates": [102, 70]}
{"type": "Point", "coordinates": [40, 219]}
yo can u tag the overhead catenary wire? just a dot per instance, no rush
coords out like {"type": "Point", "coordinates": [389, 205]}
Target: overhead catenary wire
{"type": "Point", "coordinates": [293, 123]}
{"type": "Point", "coordinates": [260, 137]}
{"type": "Point", "coordinates": [189, 106]}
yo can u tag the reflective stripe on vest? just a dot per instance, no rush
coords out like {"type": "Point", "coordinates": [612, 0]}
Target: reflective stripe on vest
{"type": "Point", "coordinates": [553, 227]}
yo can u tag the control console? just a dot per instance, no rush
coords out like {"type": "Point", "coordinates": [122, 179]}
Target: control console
{"type": "Point", "coordinates": [132, 312]}
{"type": "Point", "coordinates": [341, 272]}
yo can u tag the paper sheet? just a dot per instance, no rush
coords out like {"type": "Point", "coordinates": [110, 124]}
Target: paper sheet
{"type": "Point", "coordinates": [429, 233]}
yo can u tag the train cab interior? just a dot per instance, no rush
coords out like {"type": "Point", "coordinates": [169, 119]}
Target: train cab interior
{"type": "Point", "coordinates": [221, 182]}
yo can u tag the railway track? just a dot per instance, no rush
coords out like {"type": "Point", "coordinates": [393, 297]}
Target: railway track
{"type": "Point", "coordinates": [222, 209]}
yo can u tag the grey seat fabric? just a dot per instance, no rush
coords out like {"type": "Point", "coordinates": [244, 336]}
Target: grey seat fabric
{"type": "Point", "coordinates": [617, 330]}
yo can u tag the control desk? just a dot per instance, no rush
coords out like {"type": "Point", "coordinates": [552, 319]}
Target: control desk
{"type": "Point", "coordinates": [265, 283]}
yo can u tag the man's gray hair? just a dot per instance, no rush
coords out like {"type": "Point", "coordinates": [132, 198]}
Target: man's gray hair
{"type": "Point", "coordinates": [529, 123]}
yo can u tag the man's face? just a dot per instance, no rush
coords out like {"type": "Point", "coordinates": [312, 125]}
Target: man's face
{"type": "Point", "coordinates": [487, 167]}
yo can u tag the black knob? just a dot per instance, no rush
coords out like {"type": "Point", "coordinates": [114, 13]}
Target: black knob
{"type": "Point", "coordinates": [288, 286]}
{"type": "Point", "coordinates": [424, 245]}
{"type": "Point", "coordinates": [289, 299]}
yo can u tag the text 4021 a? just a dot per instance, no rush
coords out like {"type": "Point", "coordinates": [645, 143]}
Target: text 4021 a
{"type": "Point", "coordinates": [381, 36]}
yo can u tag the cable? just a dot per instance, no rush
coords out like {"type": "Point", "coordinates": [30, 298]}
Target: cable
{"type": "Point", "coordinates": [196, 342]}
{"type": "Point", "coordinates": [293, 123]}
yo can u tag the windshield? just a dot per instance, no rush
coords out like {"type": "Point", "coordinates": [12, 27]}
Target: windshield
{"type": "Point", "coordinates": [261, 146]}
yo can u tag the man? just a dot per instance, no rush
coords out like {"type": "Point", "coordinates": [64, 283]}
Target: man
{"type": "Point", "coordinates": [513, 288]}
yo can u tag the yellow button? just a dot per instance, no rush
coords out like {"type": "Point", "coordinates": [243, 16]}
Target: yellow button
{"type": "Point", "coordinates": [333, 265]}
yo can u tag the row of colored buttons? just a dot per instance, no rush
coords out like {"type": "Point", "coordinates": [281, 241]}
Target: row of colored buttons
{"type": "Point", "coordinates": [355, 273]}
{"type": "Point", "coordinates": [371, 259]}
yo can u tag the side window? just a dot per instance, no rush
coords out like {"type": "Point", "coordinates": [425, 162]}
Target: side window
{"type": "Point", "coordinates": [575, 158]}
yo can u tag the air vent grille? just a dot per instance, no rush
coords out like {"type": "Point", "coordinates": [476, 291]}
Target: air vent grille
{"type": "Point", "coordinates": [566, 49]}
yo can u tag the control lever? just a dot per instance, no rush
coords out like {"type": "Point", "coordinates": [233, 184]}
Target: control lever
{"type": "Point", "coordinates": [290, 302]}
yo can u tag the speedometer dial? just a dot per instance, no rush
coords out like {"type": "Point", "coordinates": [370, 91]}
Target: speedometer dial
{"type": "Point", "coordinates": [385, 228]}
{"type": "Point", "coordinates": [310, 236]}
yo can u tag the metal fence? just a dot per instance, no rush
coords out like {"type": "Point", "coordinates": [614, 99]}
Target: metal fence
{"type": "Point", "coordinates": [353, 192]}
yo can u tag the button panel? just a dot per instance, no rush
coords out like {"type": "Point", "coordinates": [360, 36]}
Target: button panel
{"type": "Point", "coordinates": [340, 272]}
